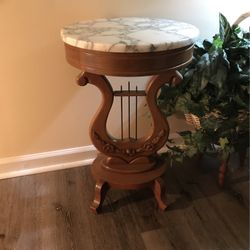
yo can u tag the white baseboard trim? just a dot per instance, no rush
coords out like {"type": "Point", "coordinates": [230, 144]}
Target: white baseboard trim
{"type": "Point", "coordinates": [50, 161]}
{"type": "Point", "coordinates": [46, 161]}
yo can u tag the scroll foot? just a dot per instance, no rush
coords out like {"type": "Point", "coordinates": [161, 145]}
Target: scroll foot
{"type": "Point", "coordinates": [100, 192]}
{"type": "Point", "coordinates": [159, 190]}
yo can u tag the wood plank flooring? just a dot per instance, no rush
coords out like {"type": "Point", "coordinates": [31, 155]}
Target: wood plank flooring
{"type": "Point", "coordinates": [51, 212]}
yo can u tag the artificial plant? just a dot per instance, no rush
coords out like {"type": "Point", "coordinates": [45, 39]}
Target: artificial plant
{"type": "Point", "coordinates": [215, 88]}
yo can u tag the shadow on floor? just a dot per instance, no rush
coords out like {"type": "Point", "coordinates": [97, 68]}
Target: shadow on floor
{"type": "Point", "coordinates": [181, 182]}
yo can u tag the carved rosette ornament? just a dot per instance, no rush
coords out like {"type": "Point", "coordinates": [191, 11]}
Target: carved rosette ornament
{"type": "Point", "coordinates": [147, 146]}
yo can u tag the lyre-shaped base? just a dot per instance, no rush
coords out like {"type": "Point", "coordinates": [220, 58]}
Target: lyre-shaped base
{"type": "Point", "coordinates": [129, 150]}
{"type": "Point", "coordinates": [129, 163]}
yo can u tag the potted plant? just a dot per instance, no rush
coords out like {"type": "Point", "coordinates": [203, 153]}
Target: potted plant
{"type": "Point", "coordinates": [214, 95]}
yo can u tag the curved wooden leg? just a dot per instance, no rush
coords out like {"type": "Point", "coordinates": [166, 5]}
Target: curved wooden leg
{"type": "Point", "coordinates": [222, 172]}
{"type": "Point", "coordinates": [98, 196]}
{"type": "Point", "coordinates": [159, 190]}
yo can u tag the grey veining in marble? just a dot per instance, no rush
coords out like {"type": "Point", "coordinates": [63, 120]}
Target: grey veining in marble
{"type": "Point", "coordinates": [130, 34]}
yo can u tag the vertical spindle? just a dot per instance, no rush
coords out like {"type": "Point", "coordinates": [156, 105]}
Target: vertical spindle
{"type": "Point", "coordinates": [136, 104]}
{"type": "Point", "coordinates": [121, 100]}
{"type": "Point", "coordinates": [129, 111]}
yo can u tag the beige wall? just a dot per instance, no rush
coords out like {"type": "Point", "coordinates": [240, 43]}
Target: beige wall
{"type": "Point", "coordinates": [41, 108]}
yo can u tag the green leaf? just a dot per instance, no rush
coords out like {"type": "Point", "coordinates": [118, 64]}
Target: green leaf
{"type": "Point", "coordinates": [210, 123]}
{"type": "Point", "coordinates": [217, 72]}
{"type": "Point", "coordinates": [223, 142]}
{"type": "Point", "coordinates": [237, 29]}
{"type": "Point", "coordinates": [217, 41]}
{"type": "Point", "coordinates": [224, 28]}
{"type": "Point", "coordinates": [191, 151]}
{"type": "Point", "coordinates": [182, 103]}
{"type": "Point", "coordinates": [207, 45]}
{"type": "Point", "coordinates": [185, 133]}
{"type": "Point", "coordinates": [175, 149]}
{"type": "Point", "coordinates": [240, 102]}
{"type": "Point", "coordinates": [246, 35]}
{"type": "Point", "coordinates": [216, 88]}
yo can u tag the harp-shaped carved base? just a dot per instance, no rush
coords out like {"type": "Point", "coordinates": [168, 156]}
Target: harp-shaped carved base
{"type": "Point", "coordinates": [129, 163]}
{"type": "Point", "coordinates": [129, 149]}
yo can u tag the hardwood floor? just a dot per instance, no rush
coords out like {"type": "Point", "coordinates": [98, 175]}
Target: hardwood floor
{"type": "Point", "coordinates": [51, 211]}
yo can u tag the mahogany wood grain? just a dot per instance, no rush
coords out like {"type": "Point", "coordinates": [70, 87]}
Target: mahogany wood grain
{"type": "Point", "coordinates": [222, 171]}
{"type": "Point", "coordinates": [99, 195]}
{"type": "Point", "coordinates": [159, 190]}
{"type": "Point", "coordinates": [127, 64]}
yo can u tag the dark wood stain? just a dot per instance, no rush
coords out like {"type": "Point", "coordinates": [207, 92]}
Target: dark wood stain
{"type": "Point", "coordinates": [51, 211]}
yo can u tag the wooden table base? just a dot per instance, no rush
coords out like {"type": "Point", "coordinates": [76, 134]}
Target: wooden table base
{"type": "Point", "coordinates": [107, 178]}
{"type": "Point", "coordinates": [129, 161]}
{"type": "Point", "coordinates": [132, 162]}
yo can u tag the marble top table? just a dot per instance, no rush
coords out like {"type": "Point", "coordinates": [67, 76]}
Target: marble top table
{"type": "Point", "coordinates": [151, 45]}
{"type": "Point", "coordinates": [129, 47]}
{"type": "Point", "coordinates": [129, 35]}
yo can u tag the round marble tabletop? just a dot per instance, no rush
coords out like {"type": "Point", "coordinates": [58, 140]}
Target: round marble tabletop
{"type": "Point", "coordinates": [130, 35]}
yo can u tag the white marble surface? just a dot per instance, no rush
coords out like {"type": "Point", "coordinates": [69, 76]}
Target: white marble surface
{"type": "Point", "coordinates": [129, 34]}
